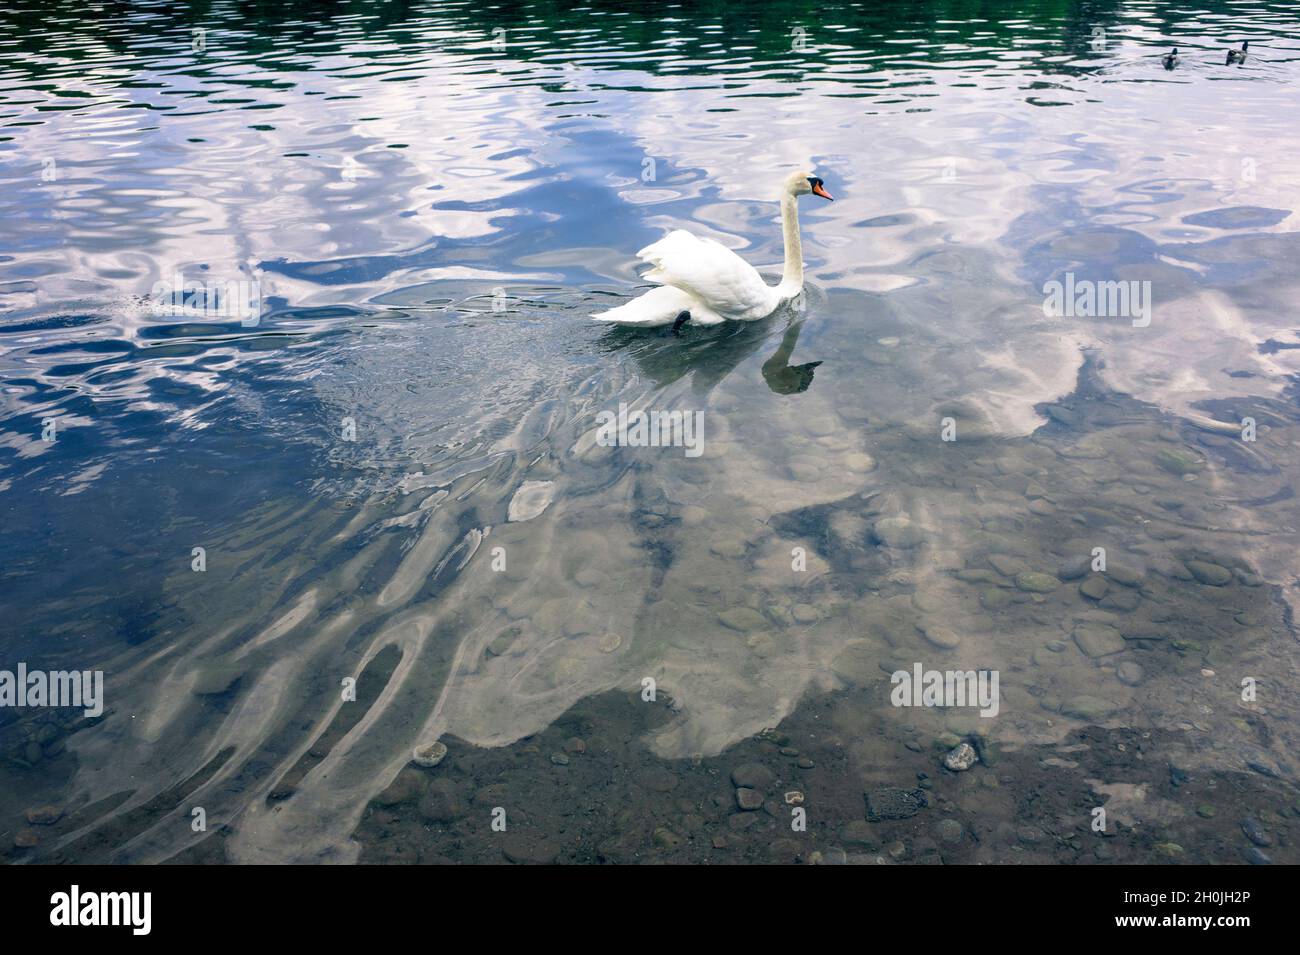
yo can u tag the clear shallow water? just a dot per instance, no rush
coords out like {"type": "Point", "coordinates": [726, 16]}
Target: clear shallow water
{"type": "Point", "coordinates": [431, 209]}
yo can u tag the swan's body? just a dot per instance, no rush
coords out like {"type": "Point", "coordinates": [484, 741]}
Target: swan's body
{"type": "Point", "coordinates": [1237, 56]}
{"type": "Point", "coordinates": [703, 282]}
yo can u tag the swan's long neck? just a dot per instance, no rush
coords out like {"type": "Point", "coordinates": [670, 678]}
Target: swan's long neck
{"type": "Point", "coordinates": [792, 275]}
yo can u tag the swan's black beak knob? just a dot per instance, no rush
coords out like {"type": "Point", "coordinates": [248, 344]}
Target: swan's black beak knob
{"type": "Point", "coordinates": [819, 189]}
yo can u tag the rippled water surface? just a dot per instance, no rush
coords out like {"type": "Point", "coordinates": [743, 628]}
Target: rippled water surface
{"type": "Point", "coordinates": [392, 470]}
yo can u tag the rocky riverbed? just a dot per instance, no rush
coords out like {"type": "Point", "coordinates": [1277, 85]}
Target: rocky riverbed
{"type": "Point", "coordinates": [867, 799]}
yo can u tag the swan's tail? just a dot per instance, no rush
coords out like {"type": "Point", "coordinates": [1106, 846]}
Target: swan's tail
{"type": "Point", "coordinates": [659, 306]}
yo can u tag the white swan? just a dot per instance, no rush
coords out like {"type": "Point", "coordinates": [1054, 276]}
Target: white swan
{"type": "Point", "coordinates": [704, 282]}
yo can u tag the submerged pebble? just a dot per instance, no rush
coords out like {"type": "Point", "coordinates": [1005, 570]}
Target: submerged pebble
{"type": "Point", "coordinates": [1086, 707]}
{"type": "Point", "coordinates": [530, 500]}
{"type": "Point", "coordinates": [44, 815]}
{"type": "Point", "coordinates": [1037, 583]}
{"type": "Point", "coordinates": [804, 613]}
{"type": "Point", "coordinates": [1256, 832]}
{"type": "Point", "coordinates": [994, 599]}
{"type": "Point", "coordinates": [743, 619]}
{"type": "Point", "coordinates": [1178, 461]}
{"type": "Point", "coordinates": [1124, 576]}
{"type": "Point", "coordinates": [893, 803]}
{"type": "Point", "coordinates": [1074, 568]}
{"type": "Point", "coordinates": [1094, 587]}
{"type": "Point", "coordinates": [962, 758]}
{"type": "Point", "coordinates": [941, 637]}
{"type": "Point", "coordinates": [430, 754]}
{"type": "Point", "coordinates": [753, 776]}
{"type": "Point", "coordinates": [1210, 574]}
{"type": "Point", "coordinates": [1099, 641]}
{"type": "Point", "coordinates": [1123, 600]}
{"type": "Point", "coordinates": [1130, 673]}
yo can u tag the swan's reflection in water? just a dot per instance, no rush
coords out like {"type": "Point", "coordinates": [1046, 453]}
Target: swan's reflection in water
{"type": "Point", "coordinates": [782, 377]}
{"type": "Point", "coordinates": [708, 354]}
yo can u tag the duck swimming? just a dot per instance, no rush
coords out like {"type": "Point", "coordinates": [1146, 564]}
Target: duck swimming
{"type": "Point", "coordinates": [1237, 56]}
{"type": "Point", "coordinates": [1170, 59]}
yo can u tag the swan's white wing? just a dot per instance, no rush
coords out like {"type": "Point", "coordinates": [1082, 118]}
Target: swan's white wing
{"type": "Point", "coordinates": [711, 272]}
{"type": "Point", "coordinates": [660, 306]}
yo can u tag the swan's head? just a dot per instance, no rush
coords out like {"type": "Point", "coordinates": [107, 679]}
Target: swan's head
{"type": "Point", "coordinates": [805, 183]}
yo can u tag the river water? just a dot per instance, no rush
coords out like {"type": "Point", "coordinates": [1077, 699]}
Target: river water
{"type": "Point", "coordinates": [370, 510]}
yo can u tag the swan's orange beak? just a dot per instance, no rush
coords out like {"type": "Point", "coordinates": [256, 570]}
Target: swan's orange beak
{"type": "Point", "coordinates": [820, 190]}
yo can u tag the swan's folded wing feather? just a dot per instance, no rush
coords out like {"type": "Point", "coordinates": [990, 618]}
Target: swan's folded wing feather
{"type": "Point", "coordinates": [708, 270]}
{"type": "Point", "coordinates": [660, 306]}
